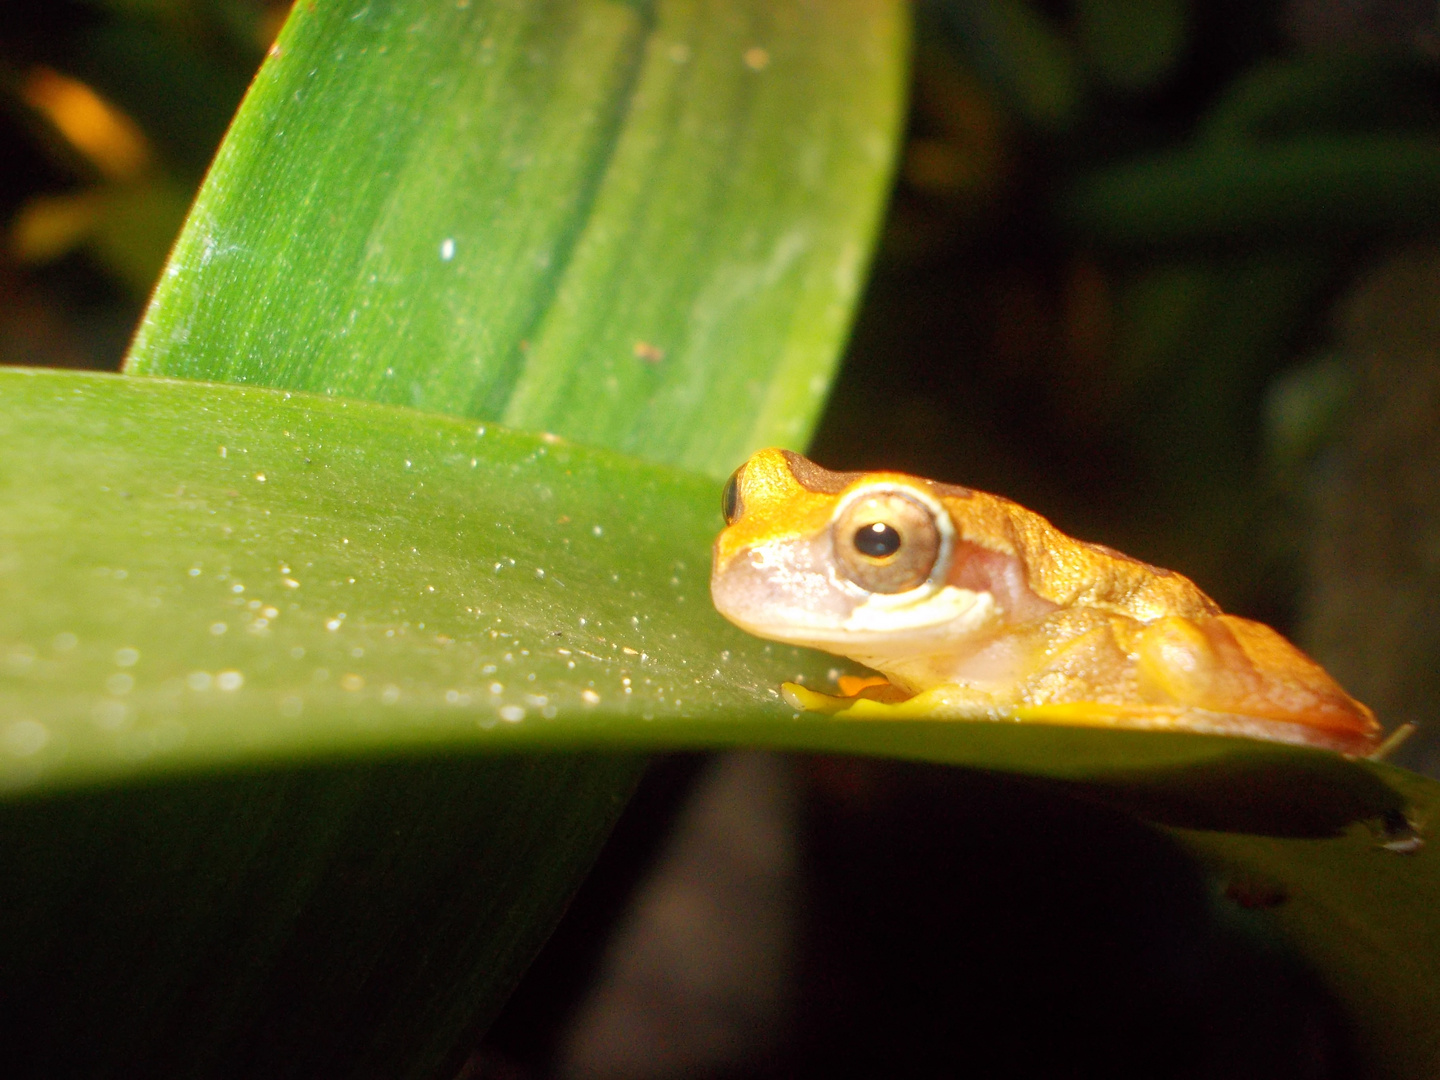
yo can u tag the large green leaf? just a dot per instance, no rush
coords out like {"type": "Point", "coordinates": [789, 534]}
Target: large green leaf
{"type": "Point", "coordinates": [409, 632]}
{"type": "Point", "coordinates": [643, 225]}
{"type": "Point", "coordinates": [349, 919]}
{"type": "Point", "coordinates": [203, 574]}
{"type": "Point", "coordinates": [207, 575]}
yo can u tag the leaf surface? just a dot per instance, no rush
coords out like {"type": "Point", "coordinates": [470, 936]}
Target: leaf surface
{"type": "Point", "coordinates": [205, 575]}
{"type": "Point", "coordinates": [639, 225]}
{"type": "Point", "coordinates": [373, 618]}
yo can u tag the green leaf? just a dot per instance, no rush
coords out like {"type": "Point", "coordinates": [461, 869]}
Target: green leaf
{"type": "Point", "coordinates": [1326, 93]}
{"type": "Point", "coordinates": [340, 920]}
{"type": "Point", "coordinates": [205, 575]}
{"type": "Point", "coordinates": [397, 870]}
{"type": "Point", "coordinates": [1023, 54]}
{"type": "Point", "coordinates": [1288, 188]}
{"type": "Point", "coordinates": [640, 225]}
{"type": "Point", "coordinates": [1132, 44]}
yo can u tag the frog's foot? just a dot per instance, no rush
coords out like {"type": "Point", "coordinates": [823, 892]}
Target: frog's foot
{"type": "Point", "coordinates": [853, 689]}
{"type": "Point", "coordinates": [878, 699]}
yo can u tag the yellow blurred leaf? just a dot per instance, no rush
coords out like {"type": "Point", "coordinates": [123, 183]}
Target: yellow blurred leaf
{"type": "Point", "coordinates": [102, 133]}
{"type": "Point", "coordinates": [51, 226]}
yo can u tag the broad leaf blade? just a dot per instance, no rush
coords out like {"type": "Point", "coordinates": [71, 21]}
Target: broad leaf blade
{"type": "Point", "coordinates": [348, 919]}
{"type": "Point", "coordinates": [335, 472]}
{"type": "Point", "coordinates": [640, 225]}
{"type": "Point", "coordinates": [202, 575]}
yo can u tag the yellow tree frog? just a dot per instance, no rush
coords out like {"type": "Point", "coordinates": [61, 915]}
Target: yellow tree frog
{"type": "Point", "coordinates": [973, 607]}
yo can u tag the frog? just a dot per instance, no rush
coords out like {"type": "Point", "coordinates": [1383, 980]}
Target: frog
{"type": "Point", "coordinates": [967, 606]}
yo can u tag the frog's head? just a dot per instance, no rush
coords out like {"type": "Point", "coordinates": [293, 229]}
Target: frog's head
{"type": "Point", "coordinates": [854, 563]}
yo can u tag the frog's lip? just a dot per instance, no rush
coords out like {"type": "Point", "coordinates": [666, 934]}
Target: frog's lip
{"type": "Point", "coordinates": [763, 585]}
{"type": "Point", "coordinates": [892, 630]}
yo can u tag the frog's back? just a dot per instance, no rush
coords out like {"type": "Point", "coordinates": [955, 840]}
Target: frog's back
{"type": "Point", "coordinates": [1068, 572]}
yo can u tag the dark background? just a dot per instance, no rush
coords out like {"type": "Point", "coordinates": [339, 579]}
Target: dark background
{"type": "Point", "coordinates": [1165, 272]}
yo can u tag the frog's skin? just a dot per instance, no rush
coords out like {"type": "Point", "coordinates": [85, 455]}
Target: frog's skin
{"type": "Point", "coordinates": [985, 610]}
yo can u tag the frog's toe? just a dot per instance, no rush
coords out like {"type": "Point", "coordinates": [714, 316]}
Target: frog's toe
{"type": "Point", "coordinates": [807, 700]}
{"type": "Point", "coordinates": [876, 692]}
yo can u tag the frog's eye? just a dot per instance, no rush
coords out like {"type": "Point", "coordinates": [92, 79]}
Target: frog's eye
{"type": "Point", "coordinates": [886, 543]}
{"type": "Point", "coordinates": [730, 504]}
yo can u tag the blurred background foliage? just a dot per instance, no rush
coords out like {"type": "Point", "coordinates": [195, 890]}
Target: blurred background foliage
{"type": "Point", "coordinates": [1164, 271]}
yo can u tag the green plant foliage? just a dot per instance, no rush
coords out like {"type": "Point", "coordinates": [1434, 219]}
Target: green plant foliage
{"type": "Point", "coordinates": [200, 574]}
{"type": "Point", "coordinates": [1329, 93]}
{"type": "Point", "coordinates": [1030, 63]}
{"type": "Point", "coordinates": [1293, 148]}
{"type": "Point", "coordinates": [353, 919]}
{"type": "Point", "coordinates": [1287, 188]}
{"type": "Point", "coordinates": [1132, 44]}
{"type": "Point", "coordinates": [638, 225]}
{"type": "Point", "coordinates": [372, 616]}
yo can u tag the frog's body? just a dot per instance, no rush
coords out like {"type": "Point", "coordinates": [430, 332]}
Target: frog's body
{"type": "Point", "coordinates": [972, 606]}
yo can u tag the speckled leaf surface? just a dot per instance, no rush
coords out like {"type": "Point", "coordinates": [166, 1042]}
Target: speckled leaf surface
{"type": "Point", "coordinates": [201, 574]}
{"type": "Point", "coordinates": [601, 219]}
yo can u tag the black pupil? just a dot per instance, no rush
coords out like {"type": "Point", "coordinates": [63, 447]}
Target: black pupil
{"type": "Point", "coordinates": [879, 541]}
{"type": "Point", "coordinates": [730, 498]}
